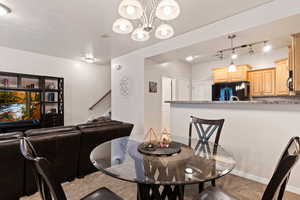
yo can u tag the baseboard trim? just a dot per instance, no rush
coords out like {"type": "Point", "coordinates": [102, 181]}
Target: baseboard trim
{"type": "Point", "coordinates": [262, 180]}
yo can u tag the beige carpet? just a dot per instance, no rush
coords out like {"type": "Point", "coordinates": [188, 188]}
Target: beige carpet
{"type": "Point", "coordinates": [241, 188]}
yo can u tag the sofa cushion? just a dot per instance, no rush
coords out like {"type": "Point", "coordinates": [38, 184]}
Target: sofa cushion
{"type": "Point", "coordinates": [43, 131]}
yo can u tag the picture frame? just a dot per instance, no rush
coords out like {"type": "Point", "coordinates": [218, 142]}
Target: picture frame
{"type": "Point", "coordinates": [152, 87]}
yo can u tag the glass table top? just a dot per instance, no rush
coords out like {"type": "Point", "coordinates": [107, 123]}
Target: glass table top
{"type": "Point", "coordinates": [199, 162]}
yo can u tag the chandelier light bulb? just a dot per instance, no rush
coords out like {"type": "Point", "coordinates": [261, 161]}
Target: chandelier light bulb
{"type": "Point", "coordinates": [164, 31]}
{"type": "Point", "coordinates": [140, 35]}
{"type": "Point", "coordinates": [4, 10]}
{"type": "Point", "coordinates": [122, 26]}
{"type": "Point", "coordinates": [167, 10]}
{"type": "Point", "coordinates": [131, 9]}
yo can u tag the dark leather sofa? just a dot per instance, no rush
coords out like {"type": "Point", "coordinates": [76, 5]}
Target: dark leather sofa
{"type": "Point", "coordinates": [11, 167]}
{"type": "Point", "coordinates": [94, 133]}
{"type": "Point", "coordinates": [60, 146]}
{"type": "Point", "coordinates": [67, 148]}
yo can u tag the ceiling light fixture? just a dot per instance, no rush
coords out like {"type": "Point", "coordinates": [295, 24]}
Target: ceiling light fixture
{"type": "Point", "coordinates": [89, 59]}
{"type": "Point", "coordinates": [164, 31]}
{"type": "Point", "coordinates": [233, 49]}
{"type": "Point", "coordinates": [122, 26]}
{"type": "Point", "coordinates": [146, 15]}
{"type": "Point", "coordinates": [140, 35]}
{"type": "Point", "coordinates": [234, 55]}
{"type": "Point", "coordinates": [267, 47]}
{"type": "Point", "coordinates": [251, 51]}
{"type": "Point", "coordinates": [220, 55]}
{"type": "Point", "coordinates": [232, 66]}
{"type": "Point", "coordinates": [4, 10]}
{"type": "Point", "coordinates": [189, 58]}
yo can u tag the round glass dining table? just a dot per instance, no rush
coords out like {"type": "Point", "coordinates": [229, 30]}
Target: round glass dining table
{"type": "Point", "coordinates": [162, 177]}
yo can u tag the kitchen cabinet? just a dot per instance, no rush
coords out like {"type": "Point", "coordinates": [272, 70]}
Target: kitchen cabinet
{"type": "Point", "coordinates": [256, 83]}
{"type": "Point", "coordinates": [295, 61]}
{"type": "Point", "coordinates": [262, 82]}
{"type": "Point", "coordinates": [282, 75]}
{"type": "Point", "coordinates": [221, 75]}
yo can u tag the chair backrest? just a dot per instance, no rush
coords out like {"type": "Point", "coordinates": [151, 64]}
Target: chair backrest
{"type": "Point", "coordinates": [206, 128]}
{"type": "Point", "coordinates": [279, 180]}
{"type": "Point", "coordinates": [48, 187]}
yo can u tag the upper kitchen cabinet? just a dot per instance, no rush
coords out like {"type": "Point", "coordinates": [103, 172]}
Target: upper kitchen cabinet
{"type": "Point", "coordinates": [282, 75]}
{"type": "Point", "coordinates": [262, 82]}
{"type": "Point", "coordinates": [295, 61]}
{"type": "Point", "coordinates": [221, 75]}
{"type": "Point", "coordinates": [241, 74]}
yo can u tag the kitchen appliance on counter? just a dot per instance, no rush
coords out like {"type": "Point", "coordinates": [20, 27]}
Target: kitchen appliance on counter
{"type": "Point", "coordinates": [231, 91]}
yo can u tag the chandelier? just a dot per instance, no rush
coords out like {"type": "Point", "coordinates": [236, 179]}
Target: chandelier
{"type": "Point", "coordinates": [142, 17]}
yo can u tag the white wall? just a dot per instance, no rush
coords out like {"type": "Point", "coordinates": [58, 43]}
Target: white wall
{"type": "Point", "coordinates": [84, 83]}
{"type": "Point", "coordinates": [153, 101]}
{"type": "Point", "coordinates": [255, 134]}
{"type": "Point", "coordinates": [202, 72]}
{"type": "Point", "coordinates": [131, 108]}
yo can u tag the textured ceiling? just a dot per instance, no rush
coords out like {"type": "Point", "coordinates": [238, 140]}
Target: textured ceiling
{"type": "Point", "coordinates": [73, 28]}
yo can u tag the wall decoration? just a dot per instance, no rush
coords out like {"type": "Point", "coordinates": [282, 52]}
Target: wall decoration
{"type": "Point", "coordinates": [124, 86]}
{"type": "Point", "coordinates": [152, 87]}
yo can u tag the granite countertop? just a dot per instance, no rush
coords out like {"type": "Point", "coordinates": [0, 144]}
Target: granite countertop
{"type": "Point", "coordinates": [237, 102]}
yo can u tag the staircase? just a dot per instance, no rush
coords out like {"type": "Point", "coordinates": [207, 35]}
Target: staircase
{"type": "Point", "coordinates": [102, 107]}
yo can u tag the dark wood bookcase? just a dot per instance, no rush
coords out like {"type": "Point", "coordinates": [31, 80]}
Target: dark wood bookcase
{"type": "Point", "coordinates": [50, 92]}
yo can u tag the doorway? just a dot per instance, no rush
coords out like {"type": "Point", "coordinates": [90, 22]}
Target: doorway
{"type": "Point", "coordinates": [168, 94]}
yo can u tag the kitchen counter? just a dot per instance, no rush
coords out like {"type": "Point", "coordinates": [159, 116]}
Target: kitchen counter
{"type": "Point", "coordinates": [237, 102]}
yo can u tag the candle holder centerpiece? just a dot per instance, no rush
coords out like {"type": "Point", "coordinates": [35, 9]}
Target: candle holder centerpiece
{"type": "Point", "coordinates": [159, 146]}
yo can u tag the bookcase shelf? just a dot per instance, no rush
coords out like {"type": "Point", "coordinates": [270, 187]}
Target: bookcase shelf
{"type": "Point", "coordinates": [50, 90]}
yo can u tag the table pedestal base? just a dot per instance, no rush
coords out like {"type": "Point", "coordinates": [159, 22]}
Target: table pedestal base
{"type": "Point", "coordinates": [160, 192]}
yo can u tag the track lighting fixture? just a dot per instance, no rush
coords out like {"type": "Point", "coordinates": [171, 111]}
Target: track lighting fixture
{"type": "Point", "coordinates": [251, 51]}
{"type": "Point", "coordinates": [267, 47]}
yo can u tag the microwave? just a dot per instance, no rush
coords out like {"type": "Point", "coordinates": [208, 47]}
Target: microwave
{"type": "Point", "coordinates": [231, 91]}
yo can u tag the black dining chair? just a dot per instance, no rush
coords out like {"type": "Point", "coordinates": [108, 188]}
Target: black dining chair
{"type": "Point", "coordinates": [205, 129]}
{"type": "Point", "coordinates": [48, 187]}
{"type": "Point", "coordinates": [276, 187]}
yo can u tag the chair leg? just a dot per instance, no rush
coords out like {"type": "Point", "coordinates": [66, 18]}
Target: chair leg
{"type": "Point", "coordinates": [213, 183]}
{"type": "Point", "coordinates": [201, 187]}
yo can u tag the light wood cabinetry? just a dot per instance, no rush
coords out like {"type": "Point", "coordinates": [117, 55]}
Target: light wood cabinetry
{"type": "Point", "coordinates": [282, 75]}
{"type": "Point", "coordinates": [221, 75]}
{"type": "Point", "coordinates": [262, 82]}
{"type": "Point", "coordinates": [256, 83]}
{"type": "Point", "coordinates": [295, 61]}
